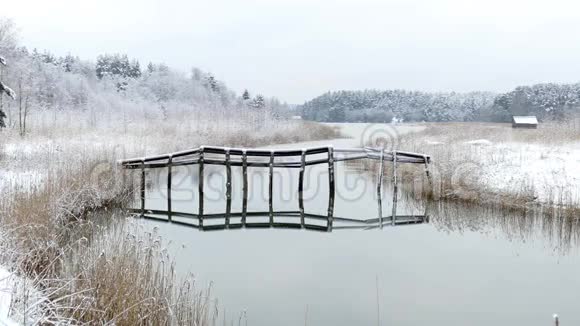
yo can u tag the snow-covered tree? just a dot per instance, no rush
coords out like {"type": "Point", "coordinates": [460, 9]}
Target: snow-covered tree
{"type": "Point", "coordinates": [117, 65]}
{"type": "Point", "coordinates": [4, 89]}
{"type": "Point", "coordinates": [258, 102]}
{"type": "Point", "coordinates": [211, 83]}
{"type": "Point", "coordinates": [98, 91]}
{"type": "Point", "coordinates": [246, 95]}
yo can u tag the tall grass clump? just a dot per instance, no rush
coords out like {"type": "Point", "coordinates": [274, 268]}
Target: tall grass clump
{"type": "Point", "coordinates": [124, 276]}
{"type": "Point", "coordinates": [560, 226]}
{"type": "Point", "coordinates": [89, 269]}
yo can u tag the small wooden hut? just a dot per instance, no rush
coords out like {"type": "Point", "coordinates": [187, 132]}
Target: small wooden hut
{"type": "Point", "coordinates": [530, 122]}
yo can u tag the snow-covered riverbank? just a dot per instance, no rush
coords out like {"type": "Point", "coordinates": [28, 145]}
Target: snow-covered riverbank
{"type": "Point", "coordinates": [495, 160]}
{"type": "Point", "coordinates": [20, 301]}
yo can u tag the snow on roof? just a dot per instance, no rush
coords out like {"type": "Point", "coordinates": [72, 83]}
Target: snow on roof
{"type": "Point", "coordinates": [529, 120]}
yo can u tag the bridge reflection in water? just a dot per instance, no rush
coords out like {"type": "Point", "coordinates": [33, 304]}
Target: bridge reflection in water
{"type": "Point", "coordinates": [282, 219]}
{"type": "Point", "coordinates": [270, 159]}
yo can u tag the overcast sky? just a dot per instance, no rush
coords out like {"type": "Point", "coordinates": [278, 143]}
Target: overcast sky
{"type": "Point", "coordinates": [298, 49]}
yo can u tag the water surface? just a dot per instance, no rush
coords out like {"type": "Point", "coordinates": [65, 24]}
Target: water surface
{"type": "Point", "coordinates": [468, 266]}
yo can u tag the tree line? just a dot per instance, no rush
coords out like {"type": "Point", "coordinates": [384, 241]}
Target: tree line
{"type": "Point", "coordinates": [44, 81]}
{"type": "Point", "coordinates": [546, 101]}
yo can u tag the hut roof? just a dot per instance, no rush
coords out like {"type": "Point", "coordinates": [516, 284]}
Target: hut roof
{"type": "Point", "coordinates": [528, 120]}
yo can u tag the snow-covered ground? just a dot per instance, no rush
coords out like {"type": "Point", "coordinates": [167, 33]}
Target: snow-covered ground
{"type": "Point", "coordinates": [496, 159]}
{"type": "Point", "coordinates": [20, 302]}
{"type": "Point", "coordinates": [550, 170]}
{"type": "Point", "coordinates": [6, 289]}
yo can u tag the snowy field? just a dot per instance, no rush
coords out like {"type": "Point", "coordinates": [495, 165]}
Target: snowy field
{"type": "Point", "coordinates": [550, 171]}
{"type": "Point", "coordinates": [495, 160]}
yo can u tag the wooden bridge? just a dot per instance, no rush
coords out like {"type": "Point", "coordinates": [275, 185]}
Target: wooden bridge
{"type": "Point", "coordinates": [279, 158]}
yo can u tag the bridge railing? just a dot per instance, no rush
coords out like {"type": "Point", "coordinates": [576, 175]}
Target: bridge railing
{"type": "Point", "coordinates": [266, 158]}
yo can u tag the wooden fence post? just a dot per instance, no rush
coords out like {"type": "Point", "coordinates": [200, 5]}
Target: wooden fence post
{"type": "Point", "coordinates": [271, 188]}
{"type": "Point", "coordinates": [169, 166]}
{"type": "Point", "coordinates": [330, 187]}
{"type": "Point", "coordinates": [380, 186]}
{"type": "Point", "coordinates": [395, 189]}
{"type": "Point", "coordinates": [301, 186]}
{"type": "Point", "coordinates": [200, 188]}
{"type": "Point", "coordinates": [245, 186]}
{"type": "Point", "coordinates": [142, 188]}
{"type": "Point", "coordinates": [228, 187]}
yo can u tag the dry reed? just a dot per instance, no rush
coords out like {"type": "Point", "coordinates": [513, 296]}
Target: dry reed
{"type": "Point", "coordinates": [62, 219]}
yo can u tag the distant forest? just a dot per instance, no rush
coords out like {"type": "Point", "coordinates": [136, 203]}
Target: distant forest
{"type": "Point", "coordinates": [42, 81]}
{"type": "Point", "coordinates": [546, 101]}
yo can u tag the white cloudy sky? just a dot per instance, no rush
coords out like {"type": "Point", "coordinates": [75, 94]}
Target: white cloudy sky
{"type": "Point", "coordinates": [297, 49]}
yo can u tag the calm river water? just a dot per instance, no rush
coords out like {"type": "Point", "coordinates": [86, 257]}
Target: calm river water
{"type": "Point", "coordinates": [466, 267]}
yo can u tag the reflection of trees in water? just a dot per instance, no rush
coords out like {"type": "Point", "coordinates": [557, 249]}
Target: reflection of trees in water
{"type": "Point", "coordinates": [559, 226]}
{"type": "Point", "coordinates": [556, 223]}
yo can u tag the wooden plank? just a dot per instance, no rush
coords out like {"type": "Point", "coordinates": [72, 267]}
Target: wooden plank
{"type": "Point", "coordinates": [395, 189]}
{"type": "Point", "coordinates": [160, 157]}
{"type": "Point", "coordinates": [245, 186]}
{"type": "Point", "coordinates": [286, 164]}
{"type": "Point", "coordinates": [271, 187]}
{"type": "Point", "coordinates": [330, 187]}
{"type": "Point", "coordinates": [169, 188]}
{"type": "Point", "coordinates": [380, 187]}
{"type": "Point", "coordinates": [228, 188]}
{"type": "Point", "coordinates": [289, 164]}
{"type": "Point", "coordinates": [301, 186]}
{"type": "Point", "coordinates": [131, 163]}
{"type": "Point", "coordinates": [264, 152]}
{"type": "Point", "coordinates": [200, 189]}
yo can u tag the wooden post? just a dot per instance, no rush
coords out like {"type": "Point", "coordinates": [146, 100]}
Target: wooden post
{"type": "Point", "coordinates": [228, 188]}
{"type": "Point", "coordinates": [271, 188]}
{"type": "Point", "coordinates": [395, 189]}
{"type": "Point", "coordinates": [200, 188]}
{"type": "Point", "coordinates": [427, 172]}
{"type": "Point", "coordinates": [169, 165]}
{"type": "Point", "coordinates": [142, 188]}
{"type": "Point", "coordinates": [245, 186]}
{"type": "Point", "coordinates": [301, 186]}
{"type": "Point", "coordinates": [430, 181]}
{"type": "Point", "coordinates": [330, 187]}
{"type": "Point", "coordinates": [380, 186]}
